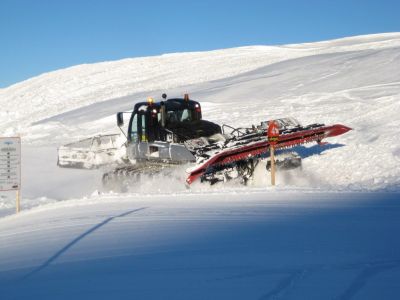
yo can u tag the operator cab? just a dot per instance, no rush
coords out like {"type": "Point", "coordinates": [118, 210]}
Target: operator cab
{"type": "Point", "coordinates": [172, 120]}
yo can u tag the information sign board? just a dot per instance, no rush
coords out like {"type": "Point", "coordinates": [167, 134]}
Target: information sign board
{"type": "Point", "coordinates": [10, 163]}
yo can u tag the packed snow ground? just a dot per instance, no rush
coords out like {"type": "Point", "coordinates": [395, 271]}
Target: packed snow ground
{"type": "Point", "coordinates": [252, 245]}
{"type": "Point", "coordinates": [326, 231]}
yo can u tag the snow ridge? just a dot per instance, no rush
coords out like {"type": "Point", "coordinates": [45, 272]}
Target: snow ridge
{"type": "Point", "coordinates": [57, 92]}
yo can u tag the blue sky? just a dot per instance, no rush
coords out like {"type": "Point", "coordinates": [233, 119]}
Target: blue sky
{"type": "Point", "coordinates": [38, 36]}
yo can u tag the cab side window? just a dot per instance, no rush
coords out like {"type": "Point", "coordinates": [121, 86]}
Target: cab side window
{"type": "Point", "coordinates": [134, 129]}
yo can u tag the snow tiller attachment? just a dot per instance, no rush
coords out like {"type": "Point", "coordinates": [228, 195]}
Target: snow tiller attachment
{"type": "Point", "coordinates": [244, 151]}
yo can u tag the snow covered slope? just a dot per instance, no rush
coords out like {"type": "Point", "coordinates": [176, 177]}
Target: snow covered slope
{"type": "Point", "coordinates": [63, 90]}
{"type": "Point", "coordinates": [354, 81]}
{"type": "Point", "coordinates": [309, 237]}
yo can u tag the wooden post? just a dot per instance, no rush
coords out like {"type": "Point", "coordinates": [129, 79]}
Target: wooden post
{"type": "Point", "coordinates": [18, 204]}
{"type": "Point", "coordinates": [272, 150]}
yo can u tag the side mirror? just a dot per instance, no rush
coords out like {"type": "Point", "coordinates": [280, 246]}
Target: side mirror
{"type": "Point", "coordinates": [120, 119]}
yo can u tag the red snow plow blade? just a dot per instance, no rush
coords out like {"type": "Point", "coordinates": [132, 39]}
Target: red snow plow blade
{"type": "Point", "coordinates": [261, 147]}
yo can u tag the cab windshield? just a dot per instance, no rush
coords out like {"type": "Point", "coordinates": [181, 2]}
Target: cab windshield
{"type": "Point", "coordinates": [177, 116]}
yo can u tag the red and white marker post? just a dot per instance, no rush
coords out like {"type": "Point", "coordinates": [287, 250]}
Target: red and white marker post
{"type": "Point", "coordinates": [273, 137]}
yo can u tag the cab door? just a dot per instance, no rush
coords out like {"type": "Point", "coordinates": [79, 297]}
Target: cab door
{"type": "Point", "coordinates": [134, 133]}
{"type": "Point", "coordinates": [138, 146]}
{"type": "Point", "coordinates": [142, 126]}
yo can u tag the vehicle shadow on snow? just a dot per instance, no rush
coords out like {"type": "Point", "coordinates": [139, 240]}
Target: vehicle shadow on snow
{"type": "Point", "coordinates": [305, 152]}
{"type": "Point", "coordinates": [76, 240]}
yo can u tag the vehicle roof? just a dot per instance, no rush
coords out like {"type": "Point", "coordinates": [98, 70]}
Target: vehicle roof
{"type": "Point", "coordinates": [170, 104]}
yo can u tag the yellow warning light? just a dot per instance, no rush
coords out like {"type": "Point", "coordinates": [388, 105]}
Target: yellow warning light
{"type": "Point", "coordinates": [150, 101]}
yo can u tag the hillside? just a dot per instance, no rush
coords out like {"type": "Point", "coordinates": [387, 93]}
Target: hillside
{"type": "Point", "coordinates": [64, 90]}
{"type": "Point", "coordinates": [354, 81]}
{"type": "Point", "coordinates": [326, 231]}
